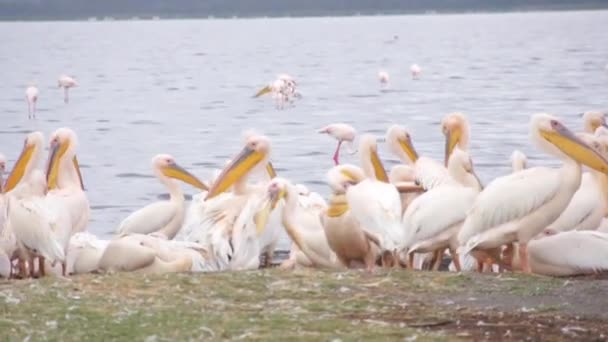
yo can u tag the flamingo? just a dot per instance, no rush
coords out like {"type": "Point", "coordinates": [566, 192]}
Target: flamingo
{"type": "Point", "coordinates": [66, 82]}
{"type": "Point", "coordinates": [343, 133]}
{"type": "Point", "coordinates": [31, 95]}
{"type": "Point", "coordinates": [383, 77]}
{"type": "Point", "coordinates": [416, 71]}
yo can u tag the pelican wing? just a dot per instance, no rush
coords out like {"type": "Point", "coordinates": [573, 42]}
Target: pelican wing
{"type": "Point", "coordinates": [510, 198]}
{"type": "Point", "coordinates": [585, 210]}
{"type": "Point", "coordinates": [429, 173]}
{"type": "Point", "coordinates": [435, 211]}
{"type": "Point", "coordinates": [377, 207]}
{"type": "Point", "coordinates": [148, 219]}
{"type": "Point", "coordinates": [570, 253]}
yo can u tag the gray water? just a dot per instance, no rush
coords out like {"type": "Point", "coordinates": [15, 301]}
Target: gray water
{"type": "Point", "coordinates": [184, 87]}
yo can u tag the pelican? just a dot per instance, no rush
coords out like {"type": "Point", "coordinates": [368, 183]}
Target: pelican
{"type": "Point", "coordinates": [383, 77]}
{"type": "Point", "coordinates": [351, 243]}
{"type": "Point", "coordinates": [518, 160]}
{"type": "Point", "coordinates": [427, 231]}
{"type": "Point", "coordinates": [517, 207]}
{"type": "Point", "coordinates": [416, 71]}
{"type": "Point", "coordinates": [303, 226]}
{"type": "Point", "coordinates": [403, 177]}
{"type": "Point", "coordinates": [343, 133]}
{"type": "Point", "coordinates": [283, 90]}
{"type": "Point", "coordinates": [64, 179]}
{"type": "Point", "coordinates": [66, 82]}
{"type": "Point", "coordinates": [587, 207]}
{"type": "Point", "coordinates": [165, 217]}
{"type": "Point", "coordinates": [2, 170]}
{"type": "Point", "coordinates": [375, 203]}
{"type": "Point", "coordinates": [31, 96]}
{"type": "Point", "coordinates": [225, 223]}
{"type": "Point", "coordinates": [428, 172]}
{"type": "Point", "coordinates": [592, 120]}
{"type": "Point", "coordinates": [566, 254]}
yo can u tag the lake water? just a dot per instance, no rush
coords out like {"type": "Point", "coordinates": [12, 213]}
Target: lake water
{"type": "Point", "coordinates": [184, 87]}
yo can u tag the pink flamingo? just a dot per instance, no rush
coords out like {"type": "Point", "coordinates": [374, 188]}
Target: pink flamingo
{"type": "Point", "coordinates": [31, 95]}
{"type": "Point", "coordinates": [341, 132]}
{"type": "Point", "coordinates": [66, 82]}
{"type": "Point", "coordinates": [416, 71]}
{"type": "Point", "coordinates": [383, 77]}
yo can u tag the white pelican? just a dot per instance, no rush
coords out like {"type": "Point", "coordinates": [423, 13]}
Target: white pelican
{"type": "Point", "coordinates": [374, 202]}
{"type": "Point", "coordinates": [383, 77]}
{"type": "Point", "coordinates": [283, 90]}
{"type": "Point", "coordinates": [343, 133]}
{"type": "Point", "coordinates": [303, 226]}
{"type": "Point", "coordinates": [31, 96]}
{"type": "Point", "coordinates": [64, 179]}
{"type": "Point", "coordinates": [225, 220]}
{"type": "Point", "coordinates": [518, 161]}
{"type": "Point", "coordinates": [403, 177]}
{"type": "Point", "coordinates": [416, 71]}
{"type": "Point", "coordinates": [433, 220]}
{"type": "Point", "coordinates": [66, 82]}
{"type": "Point", "coordinates": [165, 217]}
{"type": "Point", "coordinates": [2, 170]}
{"type": "Point", "coordinates": [351, 243]}
{"type": "Point", "coordinates": [592, 120]}
{"type": "Point", "coordinates": [517, 207]}
{"type": "Point", "coordinates": [428, 172]}
{"type": "Point", "coordinates": [566, 254]}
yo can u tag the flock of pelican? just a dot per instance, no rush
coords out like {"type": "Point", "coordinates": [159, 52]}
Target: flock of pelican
{"type": "Point", "coordinates": [550, 221]}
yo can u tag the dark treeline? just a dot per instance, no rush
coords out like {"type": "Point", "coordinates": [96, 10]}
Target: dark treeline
{"type": "Point", "coordinates": [79, 9]}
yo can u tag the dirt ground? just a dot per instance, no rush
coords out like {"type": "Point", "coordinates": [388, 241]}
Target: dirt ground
{"type": "Point", "coordinates": [306, 305]}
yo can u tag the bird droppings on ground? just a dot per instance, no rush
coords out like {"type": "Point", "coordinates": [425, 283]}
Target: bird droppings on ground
{"type": "Point", "coordinates": [306, 304]}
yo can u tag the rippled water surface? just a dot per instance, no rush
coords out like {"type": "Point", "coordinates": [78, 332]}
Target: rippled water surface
{"type": "Point", "coordinates": [184, 88]}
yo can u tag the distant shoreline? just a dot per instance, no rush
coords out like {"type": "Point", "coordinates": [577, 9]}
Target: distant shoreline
{"type": "Point", "coordinates": [301, 14]}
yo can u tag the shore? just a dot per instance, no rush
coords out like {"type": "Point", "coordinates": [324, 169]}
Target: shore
{"type": "Point", "coordinates": [307, 304]}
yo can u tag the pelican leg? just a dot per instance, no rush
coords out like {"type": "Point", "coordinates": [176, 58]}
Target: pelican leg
{"type": "Point", "coordinates": [369, 260]}
{"type": "Point", "coordinates": [41, 270]}
{"type": "Point", "coordinates": [337, 153]}
{"type": "Point", "coordinates": [438, 255]}
{"type": "Point", "coordinates": [455, 260]}
{"type": "Point", "coordinates": [479, 266]}
{"type": "Point", "coordinates": [65, 95]}
{"type": "Point", "coordinates": [523, 256]}
{"type": "Point", "coordinates": [63, 269]}
{"type": "Point", "coordinates": [31, 267]}
{"type": "Point", "coordinates": [410, 261]}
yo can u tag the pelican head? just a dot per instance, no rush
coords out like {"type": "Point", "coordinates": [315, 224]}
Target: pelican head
{"type": "Point", "coordinates": [164, 165]}
{"type": "Point", "coordinates": [559, 141]}
{"type": "Point", "coordinates": [27, 161]}
{"type": "Point", "coordinates": [592, 120]}
{"type": "Point", "coordinates": [455, 128]}
{"type": "Point", "coordinates": [400, 143]}
{"type": "Point", "coordinates": [276, 190]}
{"type": "Point", "coordinates": [63, 144]}
{"type": "Point", "coordinates": [342, 176]}
{"type": "Point", "coordinates": [368, 148]}
{"type": "Point", "coordinates": [255, 152]}
{"type": "Point", "coordinates": [460, 167]}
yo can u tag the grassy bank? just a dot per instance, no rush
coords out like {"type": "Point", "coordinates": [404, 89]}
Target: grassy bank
{"type": "Point", "coordinates": [306, 304]}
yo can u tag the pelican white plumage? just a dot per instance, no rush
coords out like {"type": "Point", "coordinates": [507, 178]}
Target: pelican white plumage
{"type": "Point", "coordinates": [592, 120]}
{"type": "Point", "coordinates": [283, 90]}
{"type": "Point", "coordinates": [2, 170]}
{"type": "Point", "coordinates": [164, 217]}
{"type": "Point", "coordinates": [302, 224]}
{"type": "Point", "coordinates": [415, 70]}
{"type": "Point", "coordinates": [427, 231]}
{"type": "Point", "coordinates": [343, 133]}
{"type": "Point", "coordinates": [518, 161]}
{"type": "Point", "coordinates": [374, 202]}
{"type": "Point", "coordinates": [567, 254]}
{"type": "Point", "coordinates": [66, 82]}
{"type": "Point", "coordinates": [428, 172]}
{"type": "Point", "coordinates": [31, 96]}
{"type": "Point", "coordinates": [517, 207]}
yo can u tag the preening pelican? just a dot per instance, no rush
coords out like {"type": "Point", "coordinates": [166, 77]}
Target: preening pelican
{"type": "Point", "coordinates": [64, 179]}
{"type": "Point", "coordinates": [566, 254]}
{"type": "Point", "coordinates": [375, 203]}
{"type": "Point", "coordinates": [428, 172]}
{"type": "Point", "coordinates": [352, 245]}
{"type": "Point", "coordinates": [303, 226]}
{"type": "Point", "coordinates": [433, 219]}
{"type": "Point", "coordinates": [343, 133]}
{"type": "Point", "coordinates": [416, 71]}
{"type": "Point", "coordinates": [66, 82]}
{"type": "Point", "coordinates": [165, 217]}
{"type": "Point", "coordinates": [517, 207]}
{"type": "Point", "coordinates": [31, 96]}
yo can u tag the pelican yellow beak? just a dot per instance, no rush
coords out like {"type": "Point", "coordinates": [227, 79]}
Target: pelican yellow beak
{"type": "Point", "coordinates": [261, 218]}
{"type": "Point", "coordinates": [177, 172]}
{"type": "Point", "coordinates": [272, 173]}
{"type": "Point", "coordinates": [574, 147]}
{"type": "Point", "coordinates": [265, 90]}
{"type": "Point", "coordinates": [408, 148]}
{"type": "Point", "coordinates": [19, 169]}
{"type": "Point", "coordinates": [77, 167]}
{"type": "Point", "coordinates": [240, 166]}
{"type": "Point", "coordinates": [451, 140]}
{"type": "Point", "coordinates": [379, 170]}
{"type": "Point", "coordinates": [56, 152]}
